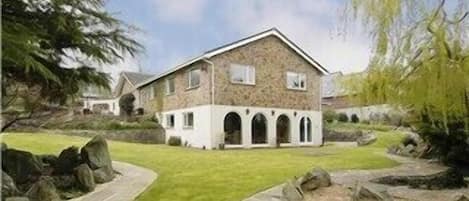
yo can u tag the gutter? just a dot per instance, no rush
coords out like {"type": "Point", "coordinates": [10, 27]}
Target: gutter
{"type": "Point", "coordinates": [212, 79]}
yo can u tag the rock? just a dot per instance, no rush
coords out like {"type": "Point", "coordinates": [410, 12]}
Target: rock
{"type": "Point", "coordinates": [8, 186]}
{"type": "Point", "coordinates": [17, 199]}
{"type": "Point", "coordinates": [315, 179]}
{"type": "Point", "coordinates": [96, 154]}
{"type": "Point", "coordinates": [22, 166]}
{"type": "Point", "coordinates": [68, 159]}
{"type": "Point", "coordinates": [103, 175]}
{"type": "Point", "coordinates": [408, 150]}
{"type": "Point", "coordinates": [3, 146]}
{"type": "Point", "coordinates": [85, 177]}
{"type": "Point", "coordinates": [461, 197]}
{"type": "Point", "coordinates": [367, 139]}
{"type": "Point", "coordinates": [49, 159]}
{"type": "Point", "coordinates": [292, 192]}
{"type": "Point", "coordinates": [369, 193]}
{"type": "Point", "coordinates": [64, 182]}
{"type": "Point", "coordinates": [43, 190]}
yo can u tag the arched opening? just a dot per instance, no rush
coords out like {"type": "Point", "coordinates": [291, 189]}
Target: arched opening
{"type": "Point", "coordinates": [259, 129]}
{"type": "Point", "coordinates": [232, 128]}
{"type": "Point", "coordinates": [305, 130]}
{"type": "Point", "coordinates": [283, 129]}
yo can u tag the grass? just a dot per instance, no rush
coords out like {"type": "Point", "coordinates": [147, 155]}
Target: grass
{"type": "Point", "coordinates": [192, 174]}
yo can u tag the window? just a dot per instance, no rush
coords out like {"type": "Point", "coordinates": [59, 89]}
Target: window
{"type": "Point", "coordinates": [188, 120]}
{"type": "Point", "coordinates": [170, 89]}
{"type": "Point", "coordinates": [148, 93]}
{"type": "Point", "coordinates": [170, 121]}
{"type": "Point", "coordinates": [193, 78]}
{"type": "Point", "coordinates": [242, 74]}
{"type": "Point", "coordinates": [296, 80]}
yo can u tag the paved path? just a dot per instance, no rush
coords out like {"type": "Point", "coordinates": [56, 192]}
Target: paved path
{"type": "Point", "coordinates": [408, 166]}
{"type": "Point", "coordinates": [125, 187]}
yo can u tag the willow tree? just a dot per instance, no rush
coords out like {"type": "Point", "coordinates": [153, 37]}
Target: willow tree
{"type": "Point", "coordinates": [420, 56]}
{"type": "Point", "coordinates": [52, 48]}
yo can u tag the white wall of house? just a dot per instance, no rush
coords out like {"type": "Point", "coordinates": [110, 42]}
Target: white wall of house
{"type": "Point", "coordinates": [364, 113]}
{"type": "Point", "coordinates": [208, 129]}
{"type": "Point", "coordinates": [113, 105]}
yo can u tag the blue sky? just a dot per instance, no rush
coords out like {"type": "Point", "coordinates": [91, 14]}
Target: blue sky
{"type": "Point", "coordinates": [176, 30]}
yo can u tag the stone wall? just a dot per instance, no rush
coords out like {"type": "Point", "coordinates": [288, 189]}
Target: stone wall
{"type": "Point", "coordinates": [271, 59]}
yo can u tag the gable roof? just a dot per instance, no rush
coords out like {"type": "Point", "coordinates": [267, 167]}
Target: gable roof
{"type": "Point", "coordinates": [133, 78]}
{"type": "Point", "coordinates": [219, 50]}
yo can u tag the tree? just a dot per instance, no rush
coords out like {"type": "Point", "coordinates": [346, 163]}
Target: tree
{"type": "Point", "coordinates": [126, 104]}
{"type": "Point", "coordinates": [54, 48]}
{"type": "Point", "coordinates": [420, 62]}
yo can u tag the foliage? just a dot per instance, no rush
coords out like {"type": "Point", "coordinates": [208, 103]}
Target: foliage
{"type": "Point", "coordinates": [220, 171]}
{"type": "Point", "coordinates": [421, 57]}
{"type": "Point", "coordinates": [126, 104]}
{"type": "Point", "coordinates": [354, 118]}
{"type": "Point", "coordinates": [329, 115]}
{"type": "Point", "coordinates": [342, 117]}
{"type": "Point", "coordinates": [54, 48]}
{"type": "Point", "coordinates": [174, 141]}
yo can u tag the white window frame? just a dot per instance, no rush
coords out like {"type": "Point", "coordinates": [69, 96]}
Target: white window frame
{"type": "Point", "coordinates": [189, 80]}
{"type": "Point", "coordinates": [299, 76]}
{"type": "Point", "coordinates": [249, 73]}
{"type": "Point", "coordinates": [168, 121]}
{"type": "Point", "coordinates": [168, 92]}
{"type": "Point", "coordinates": [186, 124]}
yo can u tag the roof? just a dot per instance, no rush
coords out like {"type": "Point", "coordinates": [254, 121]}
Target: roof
{"type": "Point", "coordinates": [135, 78]}
{"type": "Point", "coordinates": [216, 51]}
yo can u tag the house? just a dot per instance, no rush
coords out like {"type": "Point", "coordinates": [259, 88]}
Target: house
{"type": "Point", "coordinates": [126, 83]}
{"type": "Point", "coordinates": [335, 97]}
{"type": "Point", "coordinates": [260, 91]}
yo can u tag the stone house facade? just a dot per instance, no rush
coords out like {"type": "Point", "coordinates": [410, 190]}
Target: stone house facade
{"type": "Point", "coordinates": [260, 91]}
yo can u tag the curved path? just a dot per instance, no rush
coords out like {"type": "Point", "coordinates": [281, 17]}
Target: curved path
{"type": "Point", "coordinates": [132, 181]}
{"type": "Point", "coordinates": [409, 166]}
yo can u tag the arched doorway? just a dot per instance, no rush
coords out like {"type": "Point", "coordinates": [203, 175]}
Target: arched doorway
{"type": "Point", "coordinates": [283, 129]}
{"type": "Point", "coordinates": [259, 129]}
{"type": "Point", "coordinates": [232, 128]}
{"type": "Point", "coordinates": [305, 130]}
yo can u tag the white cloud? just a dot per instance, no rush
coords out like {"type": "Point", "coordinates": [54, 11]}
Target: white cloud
{"type": "Point", "coordinates": [310, 24]}
{"type": "Point", "coordinates": [187, 11]}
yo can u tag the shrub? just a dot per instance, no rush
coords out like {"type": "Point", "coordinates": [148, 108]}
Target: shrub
{"type": "Point", "coordinates": [354, 118]}
{"type": "Point", "coordinates": [174, 141]}
{"type": "Point", "coordinates": [329, 116]}
{"type": "Point", "coordinates": [342, 117]}
{"type": "Point", "coordinates": [86, 111]}
{"type": "Point", "coordinates": [126, 104]}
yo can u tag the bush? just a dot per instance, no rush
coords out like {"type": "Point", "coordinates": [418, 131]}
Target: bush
{"type": "Point", "coordinates": [87, 111]}
{"type": "Point", "coordinates": [174, 141]}
{"type": "Point", "coordinates": [126, 104]}
{"type": "Point", "coordinates": [329, 116]}
{"type": "Point", "coordinates": [355, 118]}
{"type": "Point", "coordinates": [342, 117]}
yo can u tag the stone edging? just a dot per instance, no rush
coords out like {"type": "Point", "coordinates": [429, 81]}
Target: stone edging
{"type": "Point", "coordinates": [127, 185]}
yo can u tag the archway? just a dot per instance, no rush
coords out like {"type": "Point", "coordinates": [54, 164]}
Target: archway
{"type": "Point", "coordinates": [232, 128]}
{"type": "Point", "coordinates": [259, 129]}
{"type": "Point", "coordinates": [305, 130]}
{"type": "Point", "coordinates": [283, 129]}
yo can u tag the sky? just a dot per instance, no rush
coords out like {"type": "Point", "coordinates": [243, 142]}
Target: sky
{"type": "Point", "coordinates": [173, 31]}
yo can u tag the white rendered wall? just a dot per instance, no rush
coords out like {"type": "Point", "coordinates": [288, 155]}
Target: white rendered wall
{"type": "Point", "coordinates": [364, 113]}
{"type": "Point", "coordinates": [197, 136]}
{"type": "Point", "coordinates": [220, 111]}
{"type": "Point", "coordinates": [112, 103]}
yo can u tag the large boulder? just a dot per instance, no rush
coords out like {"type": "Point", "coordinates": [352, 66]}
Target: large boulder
{"type": "Point", "coordinates": [43, 190]}
{"type": "Point", "coordinates": [366, 139]}
{"type": "Point", "coordinates": [68, 159]}
{"type": "Point", "coordinates": [314, 179]}
{"type": "Point", "coordinates": [96, 154]}
{"type": "Point", "coordinates": [64, 182]}
{"type": "Point", "coordinates": [49, 159]}
{"type": "Point", "coordinates": [8, 186]}
{"type": "Point", "coordinates": [103, 175]}
{"type": "Point", "coordinates": [408, 150]}
{"type": "Point", "coordinates": [291, 191]}
{"type": "Point", "coordinates": [370, 193]}
{"type": "Point", "coordinates": [85, 177]}
{"type": "Point", "coordinates": [22, 166]}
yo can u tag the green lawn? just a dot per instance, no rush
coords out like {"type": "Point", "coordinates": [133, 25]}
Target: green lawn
{"type": "Point", "coordinates": [192, 174]}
